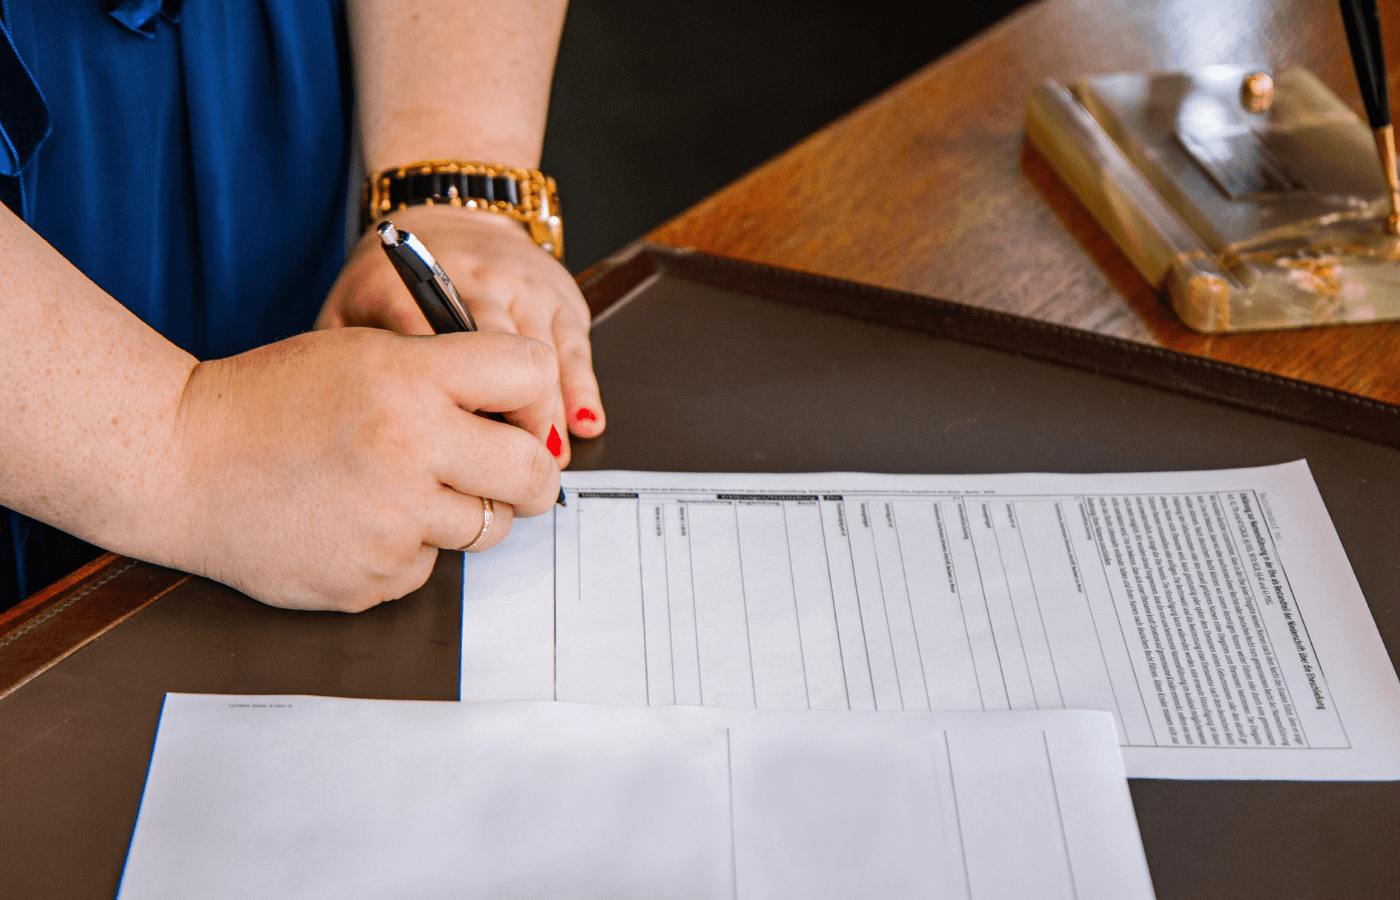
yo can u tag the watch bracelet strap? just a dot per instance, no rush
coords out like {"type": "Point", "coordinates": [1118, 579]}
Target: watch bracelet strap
{"type": "Point", "coordinates": [528, 196]}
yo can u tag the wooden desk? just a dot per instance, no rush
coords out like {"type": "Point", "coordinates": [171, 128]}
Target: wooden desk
{"type": "Point", "coordinates": [931, 188]}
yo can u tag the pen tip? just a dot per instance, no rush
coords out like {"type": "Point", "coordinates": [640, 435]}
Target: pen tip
{"type": "Point", "coordinates": [388, 233]}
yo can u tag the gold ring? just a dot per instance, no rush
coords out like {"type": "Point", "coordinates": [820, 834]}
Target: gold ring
{"type": "Point", "coordinates": [485, 525]}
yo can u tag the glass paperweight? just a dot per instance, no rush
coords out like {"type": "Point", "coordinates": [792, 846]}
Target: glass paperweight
{"type": "Point", "coordinates": [1251, 201]}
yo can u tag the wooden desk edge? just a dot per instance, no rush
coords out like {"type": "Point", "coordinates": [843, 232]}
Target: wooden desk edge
{"type": "Point", "coordinates": [1172, 370]}
{"type": "Point", "coordinates": [70, 613]}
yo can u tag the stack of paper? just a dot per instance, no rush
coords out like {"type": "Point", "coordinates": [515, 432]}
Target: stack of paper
{"type": "Point", "coordinates": [1211, 619]}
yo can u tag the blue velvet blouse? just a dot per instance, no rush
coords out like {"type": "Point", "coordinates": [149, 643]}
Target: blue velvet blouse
{"type": "Point", "coordinates": [191, 159]}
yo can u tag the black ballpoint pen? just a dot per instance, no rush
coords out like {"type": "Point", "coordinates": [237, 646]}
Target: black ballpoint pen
{"type": "Point", "coordinates": [1363, 27]}
{"type": "Point", "coordinates": [432, 290]}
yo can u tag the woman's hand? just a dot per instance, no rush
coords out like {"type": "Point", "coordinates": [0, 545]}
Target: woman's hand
{"type": "Point", "coordinates": [319, 472]}
{"type": "Point", "coordinates": [325, 471]}
{"type": "Point", "coordinates": [510, 285]}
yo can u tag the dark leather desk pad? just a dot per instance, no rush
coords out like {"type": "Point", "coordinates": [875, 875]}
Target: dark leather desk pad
{"type": "Point", "coordinates": [706, 378]}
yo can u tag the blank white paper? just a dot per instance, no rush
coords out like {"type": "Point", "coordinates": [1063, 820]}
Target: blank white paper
{"type": "Point", "coordinates": [309, 797]}
{"type": "Point", "coordinates": [1214, 614]}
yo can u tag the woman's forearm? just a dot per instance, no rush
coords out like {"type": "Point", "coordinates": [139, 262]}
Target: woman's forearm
{"type": "Point", "coordinates": [89, 401]}
{"type": "Point", "coordinates": [453, 79]}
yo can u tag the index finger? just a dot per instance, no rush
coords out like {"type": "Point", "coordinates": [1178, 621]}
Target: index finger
{"type": "Point", "coordinates": [503, 373]}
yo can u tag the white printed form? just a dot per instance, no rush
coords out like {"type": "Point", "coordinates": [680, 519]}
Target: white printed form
{"type": "Point", "coordinates": [1214, 614]}
{"type": "Point", "coordinates": [317, 797]}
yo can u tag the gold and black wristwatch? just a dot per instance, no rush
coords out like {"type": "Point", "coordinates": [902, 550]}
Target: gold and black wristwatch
{"type": "Point", "coordinates": [528, 196]}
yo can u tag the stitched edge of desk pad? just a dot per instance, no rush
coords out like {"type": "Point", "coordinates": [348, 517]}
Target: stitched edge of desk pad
{"type": "Point", "coordinates": [608, 280]}
{"type": "Point", "coordinates": [66, 625]}
{"type": "Point", "coordinates": [1264, 392]}
{"type": "Point", "coordinates": [36, 603]}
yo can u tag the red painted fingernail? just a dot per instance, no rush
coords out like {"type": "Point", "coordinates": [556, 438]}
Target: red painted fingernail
{"type": "Point", "coordinates": [586, 415]}
{"type": "Point", "coordinates": [555, 445]}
